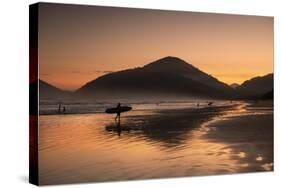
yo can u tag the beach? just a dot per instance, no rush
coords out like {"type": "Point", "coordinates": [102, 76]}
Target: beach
{"type": "Point", "coordinates": [250, 136]}
{"type": "Point", "coordinates": [161, 142]}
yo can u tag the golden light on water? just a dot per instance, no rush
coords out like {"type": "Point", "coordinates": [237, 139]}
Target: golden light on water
{"type": "Point", "coordinates": [81, 145]}
{"type": "Point", "coordinates": [259, 158]}
{"type": "Point", "coordinates": [242, 154]}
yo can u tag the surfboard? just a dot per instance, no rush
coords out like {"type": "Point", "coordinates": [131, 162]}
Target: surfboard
{"type": "Point", "coordinates": [115, 110]}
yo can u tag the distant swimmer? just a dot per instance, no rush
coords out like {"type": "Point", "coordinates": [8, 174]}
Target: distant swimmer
{"type": "Point", "coordinates": [64, 109]}
{"type": "Point", "coordinates": [210, 103]}
{"type": "Point", "coordinates": [198, 104]}
{"type": "Point", "coordinates": [59, 110]}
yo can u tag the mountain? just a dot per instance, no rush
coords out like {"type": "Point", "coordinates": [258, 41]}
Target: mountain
{"type": "Point", "coordinates": [257, 86]}
{"type": "Point", "coordinates": [166, 77]}
{"type": "Point", "coordinates": [48, 91]}
{"type": "Point", "coordinates": [268, 95]}
{"type": "Point", "coordinates": [178, 66]}
{"type": "Point", "coordinates": [234, 85]}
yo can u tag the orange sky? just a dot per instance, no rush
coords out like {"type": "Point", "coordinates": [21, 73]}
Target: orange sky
{"type": "Point", "coordinates": [79, 43]}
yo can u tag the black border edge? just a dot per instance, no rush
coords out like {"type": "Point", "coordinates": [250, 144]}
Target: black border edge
{"type": "Point", "coordinates": [33, 94]}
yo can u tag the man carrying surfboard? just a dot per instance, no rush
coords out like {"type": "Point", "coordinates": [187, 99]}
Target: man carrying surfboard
{"type": "Point", "coordinates": [118, 110]}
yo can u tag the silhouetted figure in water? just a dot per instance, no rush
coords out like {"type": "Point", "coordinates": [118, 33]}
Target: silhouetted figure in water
{"type": "Point", "coordinates": [118, 113]}
{"type": "Point", "coordinates": [210, 103]}
{"type": "Point", "coordinates": [198, 104]}
{"type": "Point", "coordinates": [64, 109]}
{"type": "Point", "coordinates": [59, 110]}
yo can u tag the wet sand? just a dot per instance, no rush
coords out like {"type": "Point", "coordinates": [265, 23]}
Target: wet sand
{"type": "Point", "coordinates": [156, 144]}
{"type": "Point", "coordinates": [250, 137]}
{"type": "Point", "coordinates": [246, 130]}
{"type": "Point", "coordinates": [172, 127]}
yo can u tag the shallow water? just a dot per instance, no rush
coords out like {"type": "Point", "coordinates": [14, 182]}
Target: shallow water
{"type": "Point", "coordinates": [85, 147]}
{"type": "Point", "coordinates": [51, 107]}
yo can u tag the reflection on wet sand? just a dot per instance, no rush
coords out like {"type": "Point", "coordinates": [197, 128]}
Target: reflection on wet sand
{"type": "Point", "coordinates": [152, 144]}
{"type": "Point", "coordinates": [169, 127]}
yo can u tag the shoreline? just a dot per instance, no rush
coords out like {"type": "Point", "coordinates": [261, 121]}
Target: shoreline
{"type": "Point", "coordinates": [180, 108]}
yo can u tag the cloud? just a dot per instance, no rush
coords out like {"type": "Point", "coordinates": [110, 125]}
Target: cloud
{"type": "Point", "coordinates": [104, 72]}
{"type": "Point", "coordinates": [92, 72]}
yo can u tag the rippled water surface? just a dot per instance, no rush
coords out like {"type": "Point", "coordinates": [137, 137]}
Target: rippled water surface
{"type": "Point", "coordinates": [88, 147]}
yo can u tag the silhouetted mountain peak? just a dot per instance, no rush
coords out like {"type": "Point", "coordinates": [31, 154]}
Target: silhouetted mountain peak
{"type": "Point", "coordinates": [44, 84]}
{"type": "Point", "coordinates": [48, 91]}
{"type": "Point", "coordinates": [257, 86]}
{"type": "Point", "coordinates": [170, 63]}
{"type": "Point", "coordinates": [263, 79]}
{"type": "Point", "coordinates": [170, 59]}
{"type": "Point", "coordinates": [166, 76]}
{"type": "Point", "coordinates": [234, 85]}
{"type": "Point", "coordinates": [175, 65]}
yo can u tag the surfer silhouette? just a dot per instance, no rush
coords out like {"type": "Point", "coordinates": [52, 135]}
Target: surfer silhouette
{"type": "Point", "coordinates": [118, 113]}
{"type": "Point", "coordinates": [118, 110]}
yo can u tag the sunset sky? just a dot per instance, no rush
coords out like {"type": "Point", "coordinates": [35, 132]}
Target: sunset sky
{"type": "Point", "coordinates": [79, 43]}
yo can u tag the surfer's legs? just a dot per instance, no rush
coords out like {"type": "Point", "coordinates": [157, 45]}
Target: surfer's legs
{"type": "Point", "coordinates": [117, 117]}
